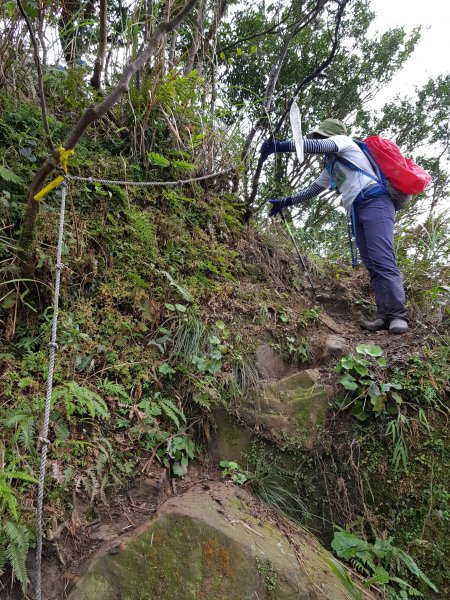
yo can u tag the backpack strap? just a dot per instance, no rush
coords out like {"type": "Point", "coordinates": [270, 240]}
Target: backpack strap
{"type": "Point", "coordinates": [353, 167]}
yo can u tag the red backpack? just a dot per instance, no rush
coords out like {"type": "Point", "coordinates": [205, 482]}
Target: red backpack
{"type": "Point", "coordinates": [398, 175]}
{"type": "Point", "coordinates": [402, 173]}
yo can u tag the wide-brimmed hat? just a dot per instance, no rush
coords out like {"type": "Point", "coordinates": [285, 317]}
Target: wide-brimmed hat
{"type": "Point", "coordinates": [329, 127]}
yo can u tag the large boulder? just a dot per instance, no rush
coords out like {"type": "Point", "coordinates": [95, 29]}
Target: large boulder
{"type": "Point", "coordinates": [291, 409]}
{"type": "Point", "coordinates": [213, 542]}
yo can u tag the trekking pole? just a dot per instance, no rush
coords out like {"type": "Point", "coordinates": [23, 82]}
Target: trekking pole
{"type": "Point", "coordinates": [353, 253]}
{"type": "Point", "coordinates": [302, 260]}
{"type": "Point", "coordinates": [351, 229]}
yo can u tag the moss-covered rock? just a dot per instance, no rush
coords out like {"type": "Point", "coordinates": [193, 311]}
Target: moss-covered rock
{"type": "Point", "coordinates": [293, 408]}
{"type": "Point", "coordinates": [211, 543]}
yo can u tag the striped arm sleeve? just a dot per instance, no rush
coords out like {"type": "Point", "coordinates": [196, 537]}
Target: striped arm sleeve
{"type": "Point", "coordinates": [307, 194]}
{"type": "Point", "coordinates": [319, 146]}
{"type": "Point", "coordinates": [309, 146]}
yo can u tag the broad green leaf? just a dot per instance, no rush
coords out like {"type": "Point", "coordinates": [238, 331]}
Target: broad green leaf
{"type": "Point", "coordinates": [25, 382]}
{"type": "Point", "coordinates": [374, 391]}
{"type": "Point", "coordinates": [348, 382]}
{"type": "Point", "coordinates": [369, 349]}
{"type": "Point", "coordinates": [359, 412]}
{"type": "Point", "coordinates": [347, 362]}
{"type": "Point", "coordinates": [344, 578]}
{"type": "Point", "coordinates": [361, 369]}
{"type": "Point", "coordinates": [378, 403]}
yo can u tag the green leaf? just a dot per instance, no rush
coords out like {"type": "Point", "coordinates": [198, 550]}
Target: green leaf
{"type": "Point", "coordinates": [180, 468]}
{"type": "Point", "coordinates": [25, 382]}
{"type": "Point", "coordinates": [140, 281]}
{"type": "Point", "coordinates": [183, 165]}
{"type": "Point", "coordinates": [222, 55]}
{"type": "Point", "coordinates": [381, 576]}
{"type": "Point", "coordinates": [220, 325]}
{"type": "Point", "coordinates": [180, 308]}
{"type": "Point", "coordinates": [369, 349]}
{"type": "Point", "coordinates": [348, 382]}
{"type": "Point", "coordinates": [157, 159]}
{"type": "Point", "coordinates": [347, 362]}
{"type": "Point", "coordinates": [344, 578]}
{"type": "Point", "coordinates": [413, 567]}
{"type": "Point", "coordinates": [183, 291]}
{"type": "Point", "coordinates": [374, 391]}
{"type": "Point", "coordinates": [9, 175]}
{"type": "Point", "coordinates": [169, 306]}
{"type": "Point", "coordinates": [253, 49]}
{"type": "Point", "coordinates": [361, 369]}
{"type": "Point", "coordinates": [359, 412]}
{"type": "Point", "coordinates": [10, 7]}
{"type": "Point", "coordinates": [166, 369]}
{"type": "Point", "coordinates": [377, 403]}
{"type": "Point", "coordinates": [382, 362]}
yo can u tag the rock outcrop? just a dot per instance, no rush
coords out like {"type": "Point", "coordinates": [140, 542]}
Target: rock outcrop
{"type": "Point", "coordinates": [213, 542]}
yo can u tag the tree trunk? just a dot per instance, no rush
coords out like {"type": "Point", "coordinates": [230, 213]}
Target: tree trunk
{"type": "Point", "coordinates": [100, 60]}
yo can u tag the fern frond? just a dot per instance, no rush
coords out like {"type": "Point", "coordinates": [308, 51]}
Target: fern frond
{"type": "Point", "coordinates": [8, 498]}
{"type": "Point", "coordinates": [16, 551]}
{"type": "Point", "coordinates": [171, 410]}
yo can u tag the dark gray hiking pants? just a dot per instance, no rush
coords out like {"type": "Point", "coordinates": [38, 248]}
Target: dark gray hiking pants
{"type": "Point", "coordinates": [374, 225]}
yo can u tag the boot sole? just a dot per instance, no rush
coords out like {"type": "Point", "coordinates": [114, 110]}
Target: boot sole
{"type": "Point", "coordinates": [396, 331]}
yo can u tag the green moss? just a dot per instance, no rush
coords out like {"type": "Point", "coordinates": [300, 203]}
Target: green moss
{"type": "Point", "coordinates": [176, 557]}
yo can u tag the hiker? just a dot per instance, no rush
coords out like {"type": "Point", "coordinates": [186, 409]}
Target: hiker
{"type": "Point", "coordinates": [373, 213]}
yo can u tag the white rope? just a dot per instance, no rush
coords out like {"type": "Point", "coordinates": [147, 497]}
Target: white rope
{"type": "Point", "coordinates": [146, 183]}
{"type": "Point", "coordinates": [53, 346]}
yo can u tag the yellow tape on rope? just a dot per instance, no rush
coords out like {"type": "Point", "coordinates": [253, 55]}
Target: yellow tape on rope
{"type": "Point", "coordinates": [64, 156]}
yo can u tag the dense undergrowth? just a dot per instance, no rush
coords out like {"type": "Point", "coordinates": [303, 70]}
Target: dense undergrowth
{"type": "Point", "coordinates": [165, 297]}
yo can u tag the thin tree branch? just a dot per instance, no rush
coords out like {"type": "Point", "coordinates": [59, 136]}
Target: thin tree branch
{"type": "Point", "coordinates": [323, 65]}
{"type": "Point", "coordinates": [37, 62]}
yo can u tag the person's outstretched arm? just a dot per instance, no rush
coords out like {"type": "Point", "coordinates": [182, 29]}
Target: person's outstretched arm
{"type": "Point", "coordinates": [324, 146]}
{"type": "Point", "coordinates": [302, 196]}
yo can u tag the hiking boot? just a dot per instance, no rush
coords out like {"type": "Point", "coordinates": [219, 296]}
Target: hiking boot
{"type": "Point", "coordinates": [398, 326]}
{"type": "Point", "coordinates": [377, 325]}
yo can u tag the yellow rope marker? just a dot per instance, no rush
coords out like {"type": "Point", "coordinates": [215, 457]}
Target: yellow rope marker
{"type": "Point", "coordinates": [64, 156]}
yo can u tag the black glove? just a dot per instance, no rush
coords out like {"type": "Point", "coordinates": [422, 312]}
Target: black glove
{"type": "Point", "coordinates": [267, 147]}
{"type": "Point", "coordinates": [278, 204]}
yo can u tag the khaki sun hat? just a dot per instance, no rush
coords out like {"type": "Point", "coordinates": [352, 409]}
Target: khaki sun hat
{"type": "Point", "coordinates": [329, 127]}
